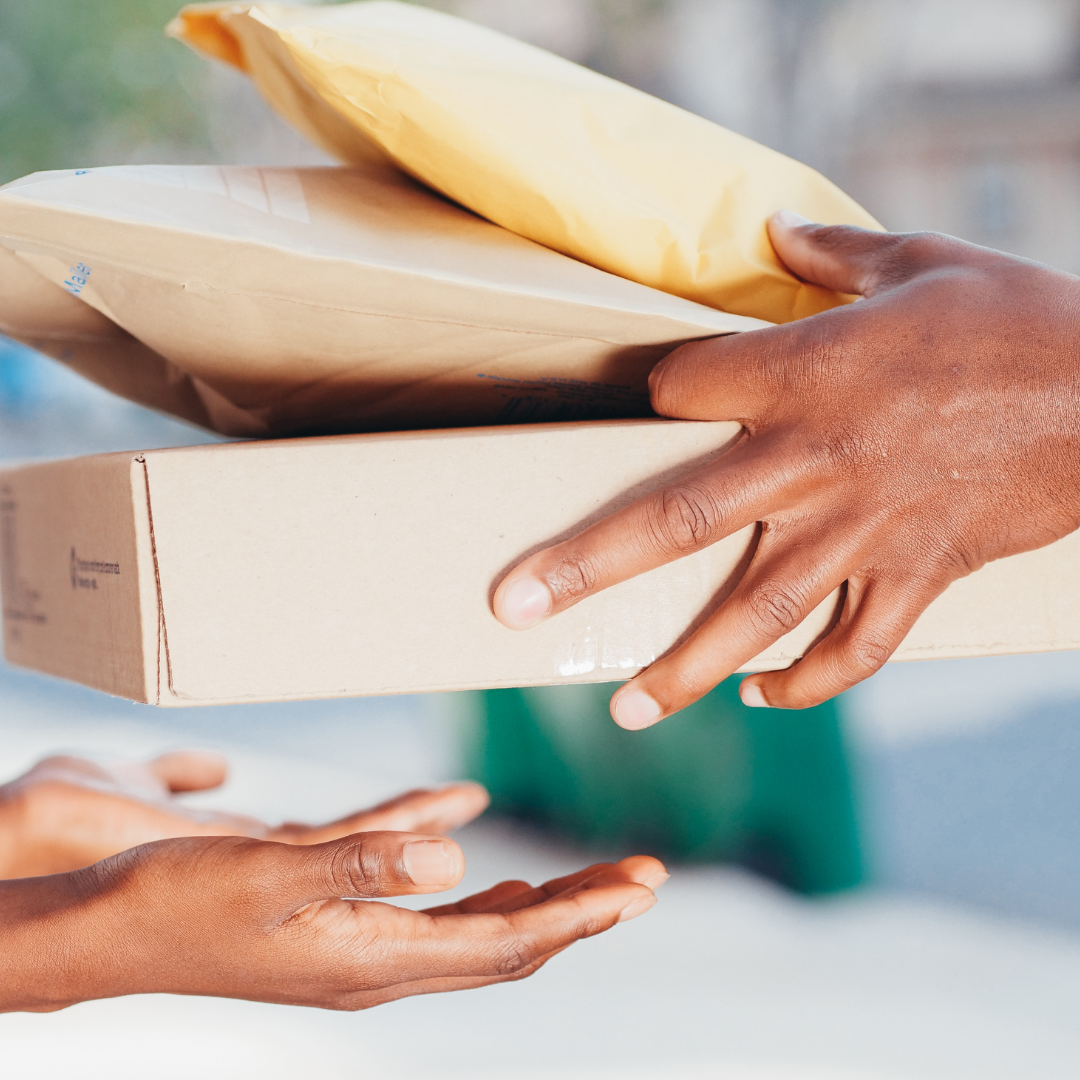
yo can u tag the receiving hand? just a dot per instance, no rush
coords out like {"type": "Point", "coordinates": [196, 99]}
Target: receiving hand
{"type": "Point", "coordinates": [234, 917]}
{"type": "Point", "coordinates": [890, 446]}
{"type": "Point", "coordinates": [68, 812]}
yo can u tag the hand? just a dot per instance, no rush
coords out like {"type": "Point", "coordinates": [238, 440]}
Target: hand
{"type": "Point", "coordinates": [234, 917]}
{"type": "Point", "coordinates": [890, 446]}
{"type": "Point", "coordinates": [68, 812]}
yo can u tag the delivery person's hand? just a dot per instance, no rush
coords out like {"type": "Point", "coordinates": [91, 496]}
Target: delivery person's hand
{"type": "Point", "coordinates": [68, 812]}
{"type": "Point", "coordinates": [890, 446]}
{"type": "Point", "coordinates": [235, 917]}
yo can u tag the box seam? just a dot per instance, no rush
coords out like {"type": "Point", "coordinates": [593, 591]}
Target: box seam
{"type": "Point", "coordinates": [163, 633]}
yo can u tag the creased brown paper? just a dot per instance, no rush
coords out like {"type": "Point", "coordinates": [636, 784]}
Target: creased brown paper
{"type": "Point", "coordinates": [283, 301]}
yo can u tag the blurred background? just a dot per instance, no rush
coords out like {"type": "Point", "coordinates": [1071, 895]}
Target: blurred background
{"type": "Point", "coordinates": [953, 785]}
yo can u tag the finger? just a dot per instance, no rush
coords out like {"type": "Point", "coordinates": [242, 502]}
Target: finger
{"type": "Point", "coordinates": [511, 895]}
{"type": "Point", "coordinates": [369, 864]}
{"type": "Point", "coordinates": [439, 811]}
{"type": "Point", "coordinates": [744, 486]}
{"type": "Point", "coordinates": [515, 895]}
{"type": "Point", "coordinates": [67, 769]}
{"type": "Point", "coordinates": [640, 869]}
{"type": "Point", "coordinates": [785, 582]}
{"type": "Point", "coordinates": [487, 900]}
{"type": "Point", "coordinates": [842, 257]}
{"type": "Point", "coordinates": [497, 945]}
{"type": "Point", "coordinates": [538, 894]}
{"type": "Point", "coordinates": [190, 770]}
{"type": "Point", "coordinates": [876, 618]}
{"type": "Point", "coordinates": [745, 377]}
{"type": "Point", "coordinates": [650, 873]}
{"type": "Point", "coordinates": [366, 999]}
{"type": "Point", "coordinates": [749, 377]}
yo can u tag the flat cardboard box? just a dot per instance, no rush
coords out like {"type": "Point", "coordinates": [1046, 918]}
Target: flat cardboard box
{"type": "Point", "coordinates": [365, 564]}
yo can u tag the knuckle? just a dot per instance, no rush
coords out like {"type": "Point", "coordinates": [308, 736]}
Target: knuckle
{"type": "Point", "coordinates": [249, 874]}
{"type": "Point", "coordinates": [776, 607]}
{"type": "Point", "coordinates": [813, 355]}
{"type": "Point", "coordinates": [837, 237]}
{"type": "Point", "coordinates": [905, 254]}
{"type": "Point", "coordinates": [65, 762]}
{"type": "Point", "coordinates": [683, 519]}
{"type": "Point", "coordinates": [867, 650]}
{"type": "Point", "coordinates": [40, 794]}
{"type": "Point", "coordinates": [956, 562]}
{"type": "Point", "coordinates": [255, 864]}
{"type": "Point", "coordinates": [358, 869]}
{"type": "Point", "coordinates": [512, 956]}
{"type": "Point", "coordinates": [850, 451]}
{"type": "Point", "coordinates": [573, 576]}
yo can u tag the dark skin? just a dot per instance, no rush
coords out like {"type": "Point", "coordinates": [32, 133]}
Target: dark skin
{"type": "Point", "coordinates": [890, 447]}
{"type": "Point", "coordinates": [218, 904]}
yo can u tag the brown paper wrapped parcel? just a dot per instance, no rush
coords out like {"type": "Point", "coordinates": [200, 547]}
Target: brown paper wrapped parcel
{"type": "Point", "coordinates": [284, 301]}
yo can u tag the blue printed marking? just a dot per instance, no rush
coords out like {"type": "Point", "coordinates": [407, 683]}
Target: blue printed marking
{"type": "Point", "coordinates": [77, 279]}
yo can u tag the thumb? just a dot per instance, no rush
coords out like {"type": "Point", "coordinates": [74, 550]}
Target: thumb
{"type": "Point", "coordinates": [373, 864]}
{"type": "Point", "coordinates": [190, 770]}
{"type": "Point", "coordinates": [839, 257]}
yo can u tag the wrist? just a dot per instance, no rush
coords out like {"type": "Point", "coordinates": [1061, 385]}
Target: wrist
{"type": "Point", "coordinates": [55, 949]}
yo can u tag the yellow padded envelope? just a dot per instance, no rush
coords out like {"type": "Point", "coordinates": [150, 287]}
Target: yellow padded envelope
{"type": "Point", "coordinates": [553, 151]}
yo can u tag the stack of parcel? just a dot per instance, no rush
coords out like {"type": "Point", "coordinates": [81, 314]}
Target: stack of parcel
{"type": "Point", "coordinates": [454, 329]}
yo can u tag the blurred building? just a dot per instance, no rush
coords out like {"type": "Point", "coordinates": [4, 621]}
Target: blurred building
{"type": "Point", "coordinates": [961, 116]}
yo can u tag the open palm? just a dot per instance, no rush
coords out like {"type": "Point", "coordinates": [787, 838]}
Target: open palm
{"type": "Point", "coordinates": [68, 812]}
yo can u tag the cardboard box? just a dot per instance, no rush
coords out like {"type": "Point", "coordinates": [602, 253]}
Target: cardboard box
{"type": "Point", "coordinates": [358, 565]}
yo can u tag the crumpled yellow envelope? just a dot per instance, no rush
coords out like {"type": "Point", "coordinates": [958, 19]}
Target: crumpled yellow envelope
{"type": "Point", "coordinates": [555, 152]}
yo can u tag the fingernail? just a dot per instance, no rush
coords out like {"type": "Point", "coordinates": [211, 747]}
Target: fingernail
{"type": "Point", "coordinates": [752, 696]}
{"type": "Point", "coordinates": [429, 862]}
{"type": "Point", "coordinates": [636, 907]}
{"type": "Point", "coordinates": [635, 710]}
{"type": "Point", "coordinates": [525, 603]}
{"type": "Point", "coordinates": [790, 219]}
{"type": "Point", "coordinates": [656, 880]}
